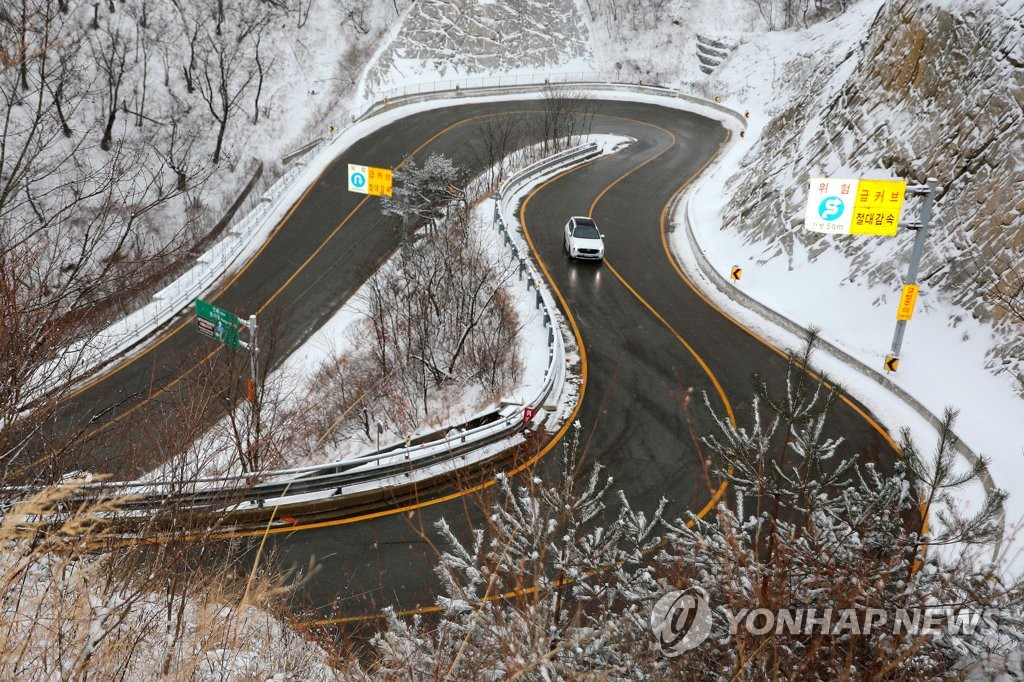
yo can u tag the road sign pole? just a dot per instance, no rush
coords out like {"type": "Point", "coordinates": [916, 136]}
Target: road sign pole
{"type": "Point", "coordinates": [915, 256]}
{"type": "Point", "coordinates": [253, 357]}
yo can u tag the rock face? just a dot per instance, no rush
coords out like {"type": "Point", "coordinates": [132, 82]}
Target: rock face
{"type": "Point", "coordinates": [936, 90]}
{"type": "Point", "coordinates": [454, 38]}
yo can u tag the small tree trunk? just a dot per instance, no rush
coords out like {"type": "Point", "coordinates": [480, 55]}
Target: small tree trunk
{"type": "Point", "coordinates": [60, 111]}
{"type": "Point", "coordinates": [220, 140]}
{"type": "Point", "coordinates": [142, 98]}
{"type": "Point", "coordinates": [108, 132]}
{"type": "Point", "coordinates": [259, 86]}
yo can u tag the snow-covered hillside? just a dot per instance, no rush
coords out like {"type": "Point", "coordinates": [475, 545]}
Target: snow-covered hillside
{"type": "Point", "coordinates": [442, 39]}
{"type": "Point", "coordinates": [131, 128]}
{"type": "Point", "coordinates": [934, 90]}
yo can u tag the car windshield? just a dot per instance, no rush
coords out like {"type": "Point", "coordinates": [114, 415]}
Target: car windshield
{"type": "Point", "coordinates": [586, 230]}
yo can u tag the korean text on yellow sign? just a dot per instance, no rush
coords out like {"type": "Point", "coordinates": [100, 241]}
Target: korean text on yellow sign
{"type": "Point", "coordinates": [907, 301]}
{"type": "Point", "coordinates": [369, 180]}
{"type": "Point", "coordinates": [852, 206]}
{"type": "Point", "coordinates": [876, 209]}
{"type": "Point", "coordinates": [379, 181]}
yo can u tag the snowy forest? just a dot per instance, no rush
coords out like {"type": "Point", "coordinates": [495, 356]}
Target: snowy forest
{"type": "Point", "coordinates": [135, 131]}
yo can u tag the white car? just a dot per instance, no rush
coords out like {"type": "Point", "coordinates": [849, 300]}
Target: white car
{"type": "Point", "coordinates": [583, 240]}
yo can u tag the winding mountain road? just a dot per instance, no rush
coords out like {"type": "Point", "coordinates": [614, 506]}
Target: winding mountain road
{"type": "Point", "coordinates": [652, 344]}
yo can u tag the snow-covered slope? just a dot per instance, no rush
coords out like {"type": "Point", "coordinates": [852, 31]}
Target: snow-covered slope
{"type": "Point", "coordinates": [934, 90]}
{"type": "Point", "coordinates": [442, 39]}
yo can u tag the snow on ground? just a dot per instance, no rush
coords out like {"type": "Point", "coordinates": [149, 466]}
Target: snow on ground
{"type": "Point", "coordinates": [341, 334]}
{"type": "Point", "coordinates": [444, 39]}
{"type": "Point", "coordinates": [942, 364]}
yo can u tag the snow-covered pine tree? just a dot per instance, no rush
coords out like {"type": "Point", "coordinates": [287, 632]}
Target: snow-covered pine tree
{"type": "Point", "coordinates": [419, 191]}
{"type": "Point", "coordinates": [805, 533]}
{"type": "Point", "coordinates": [557, 587]}
{"type": "Point", "coordinates": [550, 589]}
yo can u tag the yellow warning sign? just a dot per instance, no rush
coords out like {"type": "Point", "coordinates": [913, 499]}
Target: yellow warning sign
{"type": "Point", "coordinates": [891, 363]}
{"type": "Point", "coordinates": [877, 207]}
{"type": "Point", "coordinates": [379, 181]}
{"type": "Point", "coordinates": [736, 272]}
{"type": "Point", "coordinates": [369, 180]}
{"type": "Point", "coordinates": [907, 301]}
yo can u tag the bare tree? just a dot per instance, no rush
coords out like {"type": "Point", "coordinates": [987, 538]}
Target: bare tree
{"type": "Point", "coordinates": [434, 312]}
{"type": "Point", "coordinates": [565, 116]}
{"type": "Point", "coordinates": [497, 138]}
{"type": "Point", "coordinates": [263, 67]}
{"type": "Point", "coordinates": [230, 64]}
{"type": "Point", "coordinates": [109, 46]}
{"type": "Point", "coordinates": [70, 239]}
{"type": "Point", "coordinates": [191, 23]}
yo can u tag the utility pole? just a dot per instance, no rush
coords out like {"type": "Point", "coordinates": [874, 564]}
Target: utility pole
{"type": "Point", "coordinates": [909, 294]}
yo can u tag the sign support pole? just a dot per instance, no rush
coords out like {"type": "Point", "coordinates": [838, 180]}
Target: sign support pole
{"type": "Point", "coordinates": [253, 358]}
{"type": "Point", "coordinates": [915, 257]}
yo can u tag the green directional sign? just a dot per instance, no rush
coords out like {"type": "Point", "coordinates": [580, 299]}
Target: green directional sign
{"type": "Point", "coordinates": [217, 323]}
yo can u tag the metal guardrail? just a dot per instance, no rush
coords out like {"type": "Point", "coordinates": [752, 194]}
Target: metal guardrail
{"type": "Point", "coordinates": [739, 297]}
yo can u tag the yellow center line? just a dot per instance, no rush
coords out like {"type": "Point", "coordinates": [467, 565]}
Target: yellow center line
{"type": "Point", "coordinates": [719, 492]}
{"type": "Point", "coordinates": [584, 370]}
{"type": "Point", "coordinates": [459, 493]}
{"type": "Point", "coordinates": [675, 266]}
{"type": "Point", "coordinates": [153, 394]}
{"type": "Point", "coordinates": [696, 356]}
{"type": "Point", "coordinates": [593, 207]}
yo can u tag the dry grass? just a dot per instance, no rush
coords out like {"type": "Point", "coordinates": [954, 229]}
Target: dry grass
{"type": "Point", "coordinates": [71, 613]}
